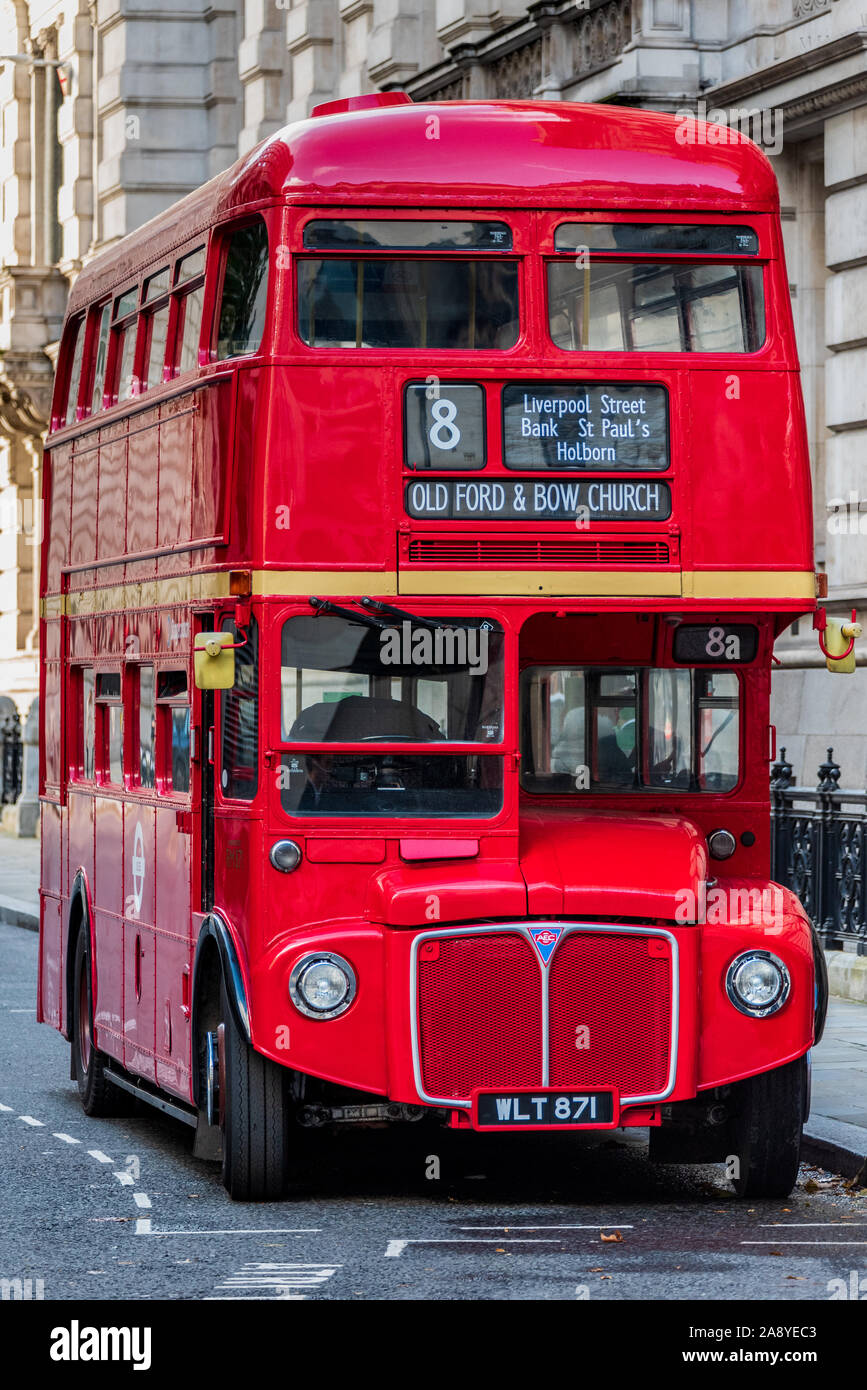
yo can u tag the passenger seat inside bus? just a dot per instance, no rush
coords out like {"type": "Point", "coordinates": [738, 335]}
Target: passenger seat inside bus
{"type": "Point", "coordinates": [361, 718]}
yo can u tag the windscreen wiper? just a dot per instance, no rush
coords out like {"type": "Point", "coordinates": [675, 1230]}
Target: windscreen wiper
{"type": "Point", "coordinates": [434, 624]}
{"type": "Point", "coordinates": [324, 605]}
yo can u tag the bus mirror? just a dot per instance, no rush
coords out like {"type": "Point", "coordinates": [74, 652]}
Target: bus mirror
{"type": "Point", "coordinates": [837, 640]}
{"type": "Point", "coordinates": [214, 660]}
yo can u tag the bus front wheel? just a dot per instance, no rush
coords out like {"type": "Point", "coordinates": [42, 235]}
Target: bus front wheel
{"type": "Point", "coordinates": [253, 1116]}
{"type": "Point", "coordinates": [767, 1139]}
{"type": "Point", "coordinates": [98, 1096]}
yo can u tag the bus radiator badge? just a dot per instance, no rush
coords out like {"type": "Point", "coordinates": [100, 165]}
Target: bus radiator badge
{"type": "Point", "coordinates": [545, 939]}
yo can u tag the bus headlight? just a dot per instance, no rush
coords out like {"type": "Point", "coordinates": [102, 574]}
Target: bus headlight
{"type": "Point", "coordinates": [757, 983]}
{"type": "Point", "coordinates": [722, 844]}
{"type": "Point", "coordinates": [322, 985]}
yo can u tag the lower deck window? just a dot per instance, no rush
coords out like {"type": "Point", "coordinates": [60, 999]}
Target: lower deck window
{"type": "Point", "coordinates": [587, 729]}
{"type": "Point", "coordinates": [389, 784]}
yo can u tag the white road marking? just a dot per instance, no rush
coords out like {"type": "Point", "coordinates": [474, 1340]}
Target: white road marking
{"type": "Point", "coordinates": [21, 1011]}
{"type": "Point", "coordinates": [125, 1179]}
{"type": "Point", "coordinates": [240, 1231]}
{"type": "Point", "coordinates": [143, 1226]}
{"type": "Point", "coordinates": [607, 1226]}
{"type": "Point", "coordinates": [7, 1108]}
{"type": "Point", "coordinates": [67, 1138]}
{"type": "Point", "coordinates": [142, 1199]}
{"type": "Point", "coordinates": [29, 1120]}
{"type": "Point", "coordinates": [100, 1156]}
{"type": "Point", "coordinates": [397, 1247]}
{"type": "Point", "coordinates": [285, 1279]}
{"type": "Point", "coordinates": [782, 1225]}
{"type": "Point", "coordinates": [804, 1242]}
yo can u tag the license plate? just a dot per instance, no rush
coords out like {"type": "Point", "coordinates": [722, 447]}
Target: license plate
{"type": "Point", "coordinates": [543, 1109]}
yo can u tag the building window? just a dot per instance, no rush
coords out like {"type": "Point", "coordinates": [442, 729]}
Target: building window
{"type": "Point", "coordinates": [245, 292]}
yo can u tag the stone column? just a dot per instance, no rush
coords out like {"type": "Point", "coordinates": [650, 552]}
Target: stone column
{"type": "Point", "coordinates": [22, 819]}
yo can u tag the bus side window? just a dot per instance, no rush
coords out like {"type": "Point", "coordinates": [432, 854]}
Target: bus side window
{"type": "Point", "coordinates": [88, 725]}
{"type": "Point", "coordinates": [98, 393]}
{"type": "Point", "coordinates": [190, 299]}
{"type": "Point", "coordinates": [240, 719]}
{"type": "Point", "coordinates": [173, 731]}
{"type": "Point", "coordinates": [78, 335]}
{"type": "Point", "coordinates": [146, 723]}
{"type": "Point", "coordinates": [110, 727]}
{"type": "Point", "coordinates": [245, 292]}
{"type": "Point", "coordinates": [125, 383]}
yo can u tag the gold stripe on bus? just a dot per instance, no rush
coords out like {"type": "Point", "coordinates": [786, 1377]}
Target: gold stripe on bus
{"type": "Point", "coordinates": [177, 590]}
{"type": "Point", "coordinates": [800, 584]}
{"type": "Point", "coordinates": [542, 583]}
{"type": "Point", "coordinates": [173, 591]}
{"type": "Point", "coordinates": [330, 583]}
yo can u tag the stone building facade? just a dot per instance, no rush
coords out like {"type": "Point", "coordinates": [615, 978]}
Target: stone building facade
{"type": "Point", "coordinates": [110, 110]}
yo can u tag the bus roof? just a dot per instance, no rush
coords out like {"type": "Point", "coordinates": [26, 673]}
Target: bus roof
{"type": "Point", "coordinates": [485, 154]}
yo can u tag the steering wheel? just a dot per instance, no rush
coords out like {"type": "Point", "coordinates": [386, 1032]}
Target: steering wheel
{"type": "Point", "coordinates": [390, 738]}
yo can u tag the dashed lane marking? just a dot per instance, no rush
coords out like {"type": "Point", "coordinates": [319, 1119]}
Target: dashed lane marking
{"type": "Point", "coordinates": [395, 1248]}
{"type": "Point", "coordinates": [125, 1179]}
{"type": "Point", "coordinates": [143, 1228]}
{"type": "Point", "coordinates": [67, 1138]}
{"type": "Point", "coordinates": [29, 1120]}
{"type": "Point", "coordinates": [100, 1156]}
{"type": "Point", "coordinates": [7, 1108]}
{"type": "Point", "coordinates": [595, 1226]}
{"type": "Point", "coordinates": [287, 1281]}
{"type": "Point", "coordinates": [142, 1199]}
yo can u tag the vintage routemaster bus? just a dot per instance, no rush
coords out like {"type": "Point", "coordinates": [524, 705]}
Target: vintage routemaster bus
{"type": "Point", "coordinates": [423, 498]}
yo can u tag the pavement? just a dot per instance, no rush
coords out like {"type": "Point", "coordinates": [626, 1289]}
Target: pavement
{"type": "Point", "coordinates": [836, 1134]}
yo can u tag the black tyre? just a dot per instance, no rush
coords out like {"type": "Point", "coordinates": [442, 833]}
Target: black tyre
{"type": "Point", "coordinates": [254, 1117]}
{"type": "Point", "coordinates": [98, 1096]}
{"type": "Point", "coordinates": [768, 1131]}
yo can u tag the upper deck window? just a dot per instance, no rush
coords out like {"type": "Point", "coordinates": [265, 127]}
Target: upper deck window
{"type": "Point", "coordinates": [603, 300]}
{"type": "Point", "coordinates": [651, 238]}
{"type": "Point", "coordinates": [388, 303]}
{"type": "Point", "coordinates": [655, 306]}
{"type": "Point", "coordinates": [78, 333]}
{"type": "Point", "coordinates": [356, 234]}
{"type": "Point", "coordinates": [245, 292]}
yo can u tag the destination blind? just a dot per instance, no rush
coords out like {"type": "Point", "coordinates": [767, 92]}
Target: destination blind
{"type": "Point", "coordinates": [592, 426]}
{"type": "Point", "coordinates": [507, 499]}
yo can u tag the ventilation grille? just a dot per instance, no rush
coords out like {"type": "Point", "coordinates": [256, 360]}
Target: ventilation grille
{"type": "Point", "coordinates": [544, 552]}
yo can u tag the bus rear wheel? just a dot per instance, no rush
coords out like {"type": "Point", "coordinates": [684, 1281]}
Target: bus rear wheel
{"type": "Point", "coordinates": [253, 1116]}
{"type": "Point", "coordinates": [98, 1096]}
{"type": "Point", "coordinates": [768, 1131]}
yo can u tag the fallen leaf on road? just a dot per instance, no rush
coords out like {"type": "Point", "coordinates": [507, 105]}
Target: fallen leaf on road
{"type": "Point", "coordinates": [811, 1186]}
{"type": "Point", "coordinates": [775, 1252]}
{"type": "Point", "coordinates": [798, 1277]}
{"type": "Point", "coordinates": [615, 1236]}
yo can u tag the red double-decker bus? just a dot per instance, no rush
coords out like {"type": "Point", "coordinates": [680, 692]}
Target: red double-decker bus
{"type": "Point", "coordinates": [423, 498]}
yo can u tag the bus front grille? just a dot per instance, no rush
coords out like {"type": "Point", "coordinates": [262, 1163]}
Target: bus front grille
{"type": "Point", "coordinates": [483, 1000]}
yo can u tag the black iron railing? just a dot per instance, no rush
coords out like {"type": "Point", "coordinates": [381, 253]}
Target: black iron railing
{"type": "Point", "coordinates": [10, 759]}
{"type": "Point", "coordinates": [818, 850]}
